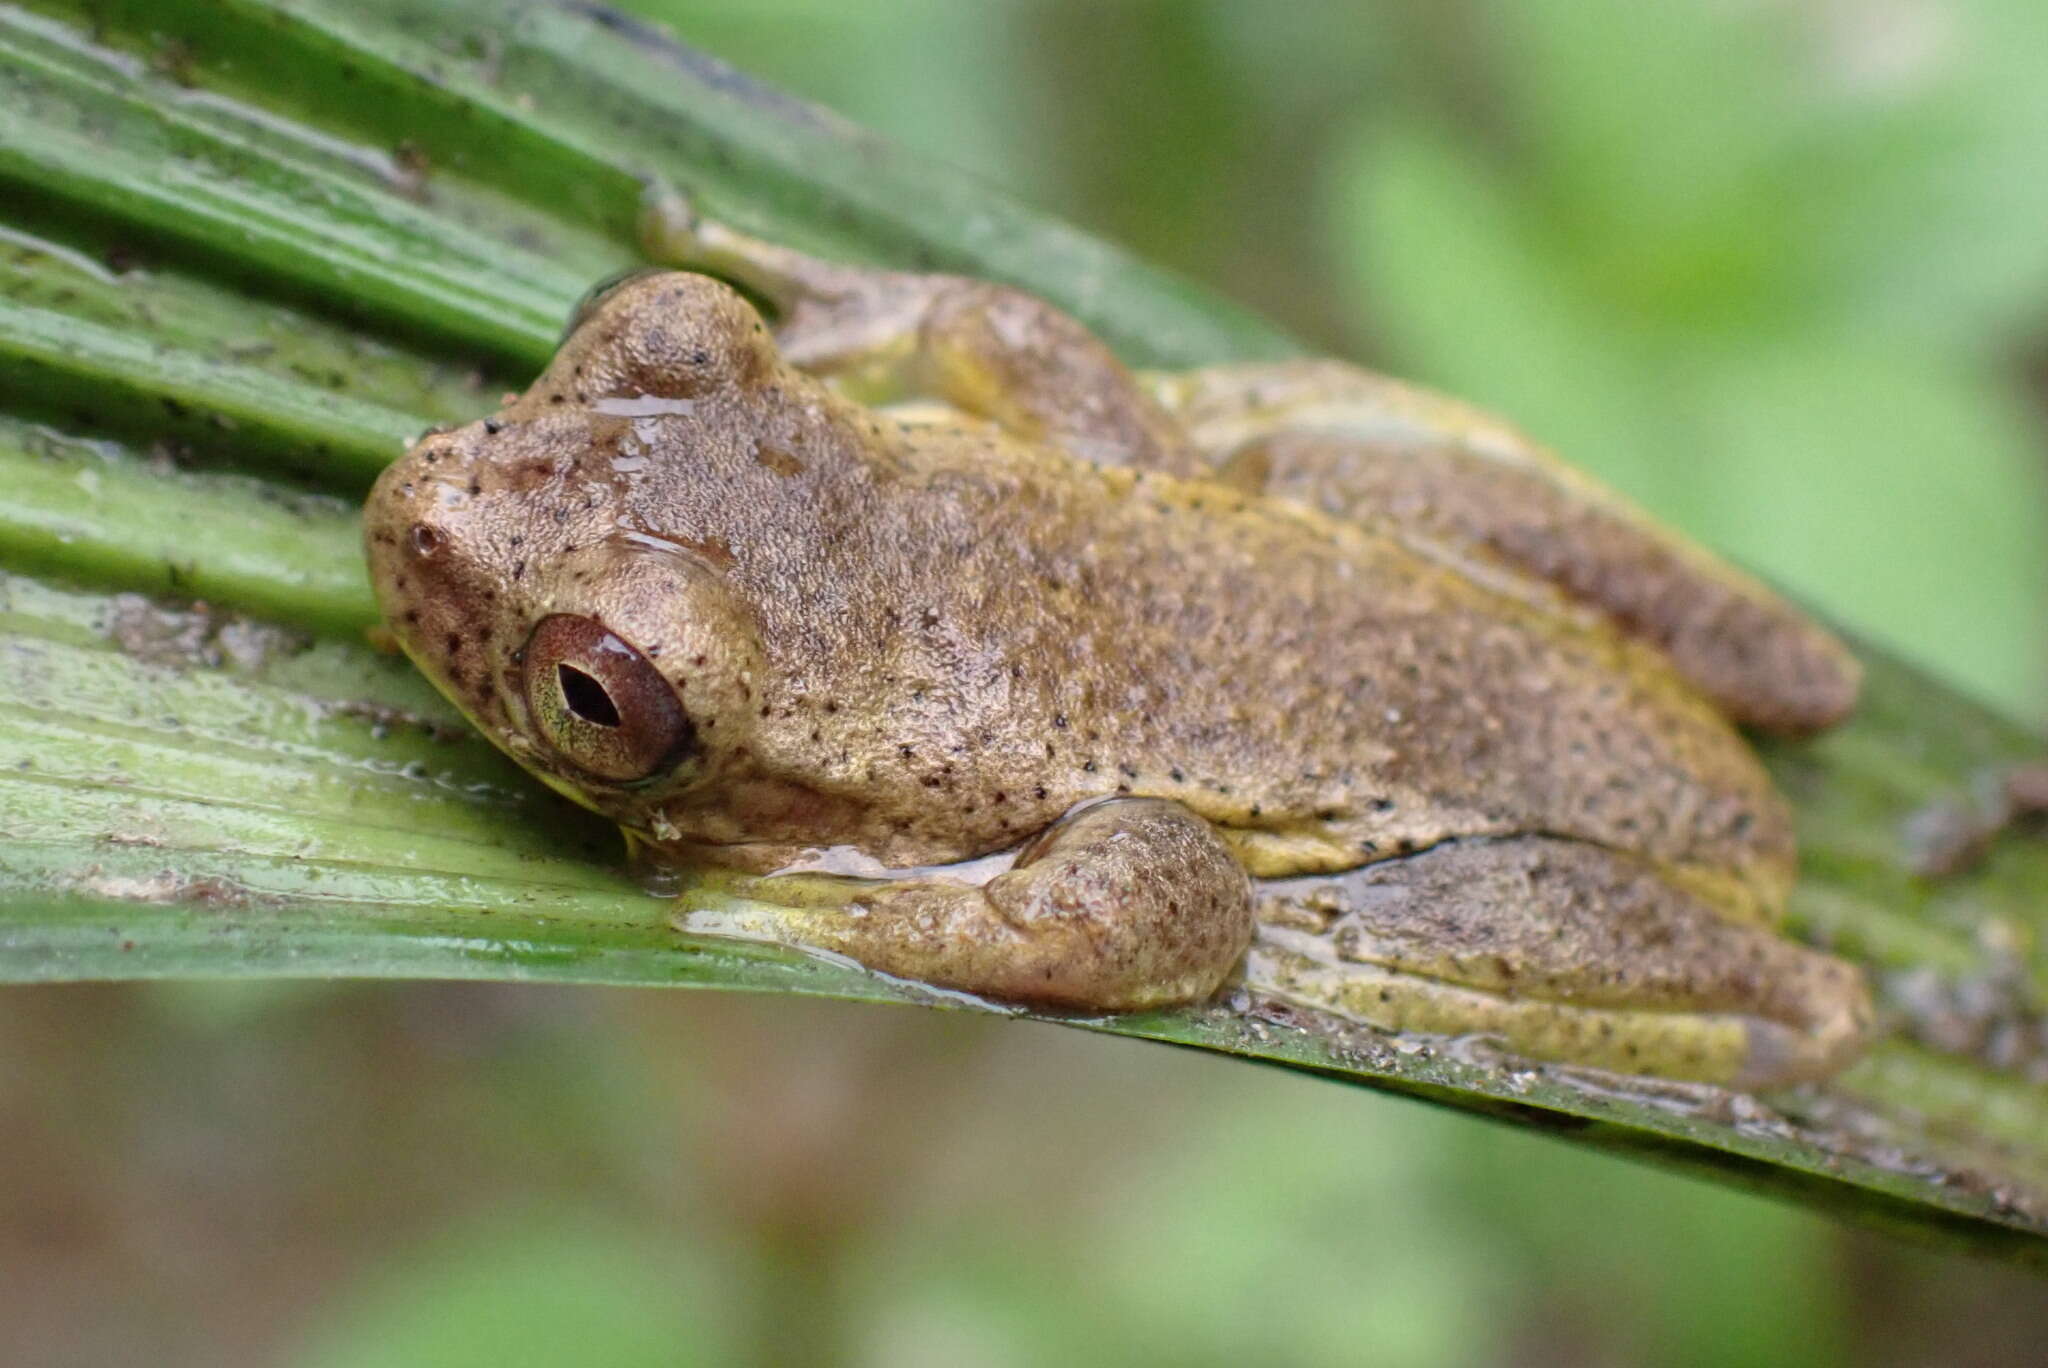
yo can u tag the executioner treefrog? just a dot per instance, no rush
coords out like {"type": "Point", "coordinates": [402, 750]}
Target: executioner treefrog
{"type": "Point", "coordinates": [1289, 660]}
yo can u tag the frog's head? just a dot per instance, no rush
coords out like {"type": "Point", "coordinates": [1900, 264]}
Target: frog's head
{"type": "Point", "coordinates": [511, 561]}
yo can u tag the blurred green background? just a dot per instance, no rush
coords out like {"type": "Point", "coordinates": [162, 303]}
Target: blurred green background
{"type": "Point", "coordinates": [1776, 267]}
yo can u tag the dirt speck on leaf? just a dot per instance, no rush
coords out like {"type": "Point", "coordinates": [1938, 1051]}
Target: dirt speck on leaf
{"type": "Point", "coordinates": [194, 637]}
{"type": "Point", "coordinates": [163, 886]}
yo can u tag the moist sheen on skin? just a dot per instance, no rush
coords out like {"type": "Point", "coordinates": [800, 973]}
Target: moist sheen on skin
{"type": "Point", "coordinates": [938, 628]}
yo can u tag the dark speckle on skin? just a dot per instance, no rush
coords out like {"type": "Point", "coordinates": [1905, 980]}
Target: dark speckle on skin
{"type": "Point", "coordinates": [810, 605]}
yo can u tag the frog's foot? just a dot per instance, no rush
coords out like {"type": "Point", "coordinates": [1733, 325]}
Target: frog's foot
{"type": "Point", "coordinates": [1128, 904]}
{"type": "Point", "coordinates": [1362, 446]}
{"type": "Point", "coordinates": [900, 337]}
{"type": "Point", "coordinates": [1563, 951]}
{"type": "Point", "coordinates": [673, 233]}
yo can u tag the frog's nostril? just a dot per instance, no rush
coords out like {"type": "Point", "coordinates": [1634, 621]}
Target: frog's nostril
{"type": "Point", "coordinates": [426, 539]}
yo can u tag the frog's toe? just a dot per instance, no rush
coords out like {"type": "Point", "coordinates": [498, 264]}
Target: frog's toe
{"type": "Point", "coordinates": [668, 221]}
{"type": "Point", "coordinates": [1838, 1027]}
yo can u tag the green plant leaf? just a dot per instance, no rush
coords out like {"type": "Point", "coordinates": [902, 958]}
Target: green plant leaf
{"type": "Point", "coordinates": [252, 246]}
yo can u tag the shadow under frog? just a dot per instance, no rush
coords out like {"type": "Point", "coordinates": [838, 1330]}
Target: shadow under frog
{"type": "Point", "coordinates": [1287, 660]}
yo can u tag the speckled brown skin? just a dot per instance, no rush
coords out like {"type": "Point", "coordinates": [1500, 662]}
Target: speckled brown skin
{"type": "Point", "coordinates": [1491, 936]}
{"type": "Point", "coordinates": [983, 349]}
{"type": "Point", "coordinates": [1452, 481]}
{"type": "Point", "coordinates": [1421, 466]}
{"type": "Point", "coordinates": [923, 637]}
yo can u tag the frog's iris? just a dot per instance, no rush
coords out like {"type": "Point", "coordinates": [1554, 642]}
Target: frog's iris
{"type": "Point", "coordinates": [601, 704]}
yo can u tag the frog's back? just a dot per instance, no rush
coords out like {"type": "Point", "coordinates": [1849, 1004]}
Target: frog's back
{"type": "Point", "coordinates": [1325, 695]}
{"type": "Point", "coordinates": [1358, 693]}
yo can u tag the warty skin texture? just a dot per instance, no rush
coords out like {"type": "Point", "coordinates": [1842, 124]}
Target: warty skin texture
{"type": "Point", "coordinates": [923, 637]}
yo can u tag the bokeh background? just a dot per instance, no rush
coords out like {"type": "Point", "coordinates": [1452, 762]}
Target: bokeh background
{"type": "Point", "coordinates": [1779, 268]}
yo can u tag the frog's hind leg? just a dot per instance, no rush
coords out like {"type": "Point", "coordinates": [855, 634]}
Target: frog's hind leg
{"type": "Point", "coordinates": [1362, 446]}
{"type": "Point", "coordinates": [898, 337]}
{"type": "Point", "coordinates": [1128, 904]}
{"type": "Point", "coordinates": [1563, 951]}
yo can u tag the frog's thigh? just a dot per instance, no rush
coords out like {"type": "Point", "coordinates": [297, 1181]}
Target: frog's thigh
{"type": "Point", "coordinates": [1362, 446]}
{"type": "Point", "coordinates": [1129, 904]}
{"type": "Point", "coordinates": [1011, 357]}
{"type": "Point", "coordinates": [895, 336]}
{"type": "Point", "coordinates": [1566, 951]}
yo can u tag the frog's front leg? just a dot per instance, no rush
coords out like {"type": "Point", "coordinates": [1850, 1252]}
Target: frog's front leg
{"type": "Point", "coordinates": [1564, 951]}
{"type": "Point", "coordinates": [1127, 904]}
{"type": "Point", "coordinates": [1364, 447]}
{"type": "Point", "coordinates": [898, 337]}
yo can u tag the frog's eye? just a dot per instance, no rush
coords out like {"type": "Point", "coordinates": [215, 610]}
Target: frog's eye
{"type": "Point", "coordinates": [596, 295]}
{"type": "Point", "coordinates": [601, 704]}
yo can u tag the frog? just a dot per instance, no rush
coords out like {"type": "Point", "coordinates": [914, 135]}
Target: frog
{"type": "Point", "coordinates": [1099, 690]}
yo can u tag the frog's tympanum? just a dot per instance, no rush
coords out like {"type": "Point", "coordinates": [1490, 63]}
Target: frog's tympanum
{"type": "Point", "coordinates": [1284, 669]}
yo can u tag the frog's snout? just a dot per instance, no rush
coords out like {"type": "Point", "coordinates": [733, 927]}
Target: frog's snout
{"type": "Point", "coordinates": [418, 506]}
{"type": "Point", "coordinates": [431, 587]}
{"type": "Point", "coordinates": [404, 536]}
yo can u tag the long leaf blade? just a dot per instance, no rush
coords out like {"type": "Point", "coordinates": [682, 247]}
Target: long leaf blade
{"type": "Point", "coordinates": [253, 246]}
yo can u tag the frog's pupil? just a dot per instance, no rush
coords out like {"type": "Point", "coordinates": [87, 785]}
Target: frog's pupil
{"type": "Point", "coordinates": [586, 697]}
